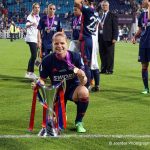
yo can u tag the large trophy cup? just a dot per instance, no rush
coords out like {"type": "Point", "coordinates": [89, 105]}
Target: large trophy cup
{"type": "Point", "coordinates": [54, 113]}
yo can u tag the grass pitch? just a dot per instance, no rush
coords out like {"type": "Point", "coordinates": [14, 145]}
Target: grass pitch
{"type": "Point", "coordinates": [117, 117]}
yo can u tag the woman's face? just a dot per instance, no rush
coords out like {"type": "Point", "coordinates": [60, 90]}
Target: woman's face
{"type": "Point", "coordinates": [51, 9]}
{"type": "Point", "coordinates": [60, 46]}
{"type": "Point", "coordinates": [36, 9]}
{"type": "Point", "coordinates": [145, 4]}
{"type": "Point", "coordinates": [77, 11]}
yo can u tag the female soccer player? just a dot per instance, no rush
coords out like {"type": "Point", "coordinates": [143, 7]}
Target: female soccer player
{"type": "Point", "coordinates": [31, 38]}
{"type": "Point", "coordinates": [144, 46]}
{"type": "Point", "coordinates": [67, 64]}
{"type": "Point", "coordinates": [49, 24]}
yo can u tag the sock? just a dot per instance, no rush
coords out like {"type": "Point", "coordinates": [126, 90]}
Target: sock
{"type": "Point", "coordinates": [96, 76]}
{"type": "Point", "coordinates": [92, 77]}
{"type": "Point", "coordinates": [88, 75]}
{"type": "Point", "coordinates": [145, 78]}
{"type": "Point", "coordinates": [82, 105]}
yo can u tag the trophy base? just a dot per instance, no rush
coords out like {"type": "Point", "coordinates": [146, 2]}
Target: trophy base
{"type": "Point", "coordinates": [42, 132]}
{"type": "Point", "coordinates": [49, 131]}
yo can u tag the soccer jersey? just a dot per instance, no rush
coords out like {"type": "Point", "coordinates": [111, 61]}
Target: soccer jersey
{"type": "Point", "coordinates": [57, 69]}
{"type": "Point", "coordinates": [144, 24]}
{"type": "Point", "coordinates": [48, 27]}
{"type": "Point", "coordinates": [89, 22]}
{"type": "Point", "coordinates": [76, 25]}
{"type": "Point", "coordinates": [32, 31]}
{"type": "Point", "coordinates": [89, 30]}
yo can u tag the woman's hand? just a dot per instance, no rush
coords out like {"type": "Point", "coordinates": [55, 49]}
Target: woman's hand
{"type": "Point", "coordinates": [81, 75]}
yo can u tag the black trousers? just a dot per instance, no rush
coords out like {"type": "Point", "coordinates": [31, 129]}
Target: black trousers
{"type": "Point", "coordinates": [33, 50]}
{"type": "Point", "coordinates": [106, 50]}
{"type": "Point", "coordinates": [12, 36]}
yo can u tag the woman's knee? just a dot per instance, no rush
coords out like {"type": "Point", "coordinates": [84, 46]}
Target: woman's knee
{"type": "Point", "coordinates": [83, 92]}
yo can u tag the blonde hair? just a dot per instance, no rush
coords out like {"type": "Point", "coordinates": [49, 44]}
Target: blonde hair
{"type": "Point", "coordinates": [33, 5]}
{"type": "Point", "coordinates": [62, 34]}
{"type": "Point", "coordinates": [51, 4]}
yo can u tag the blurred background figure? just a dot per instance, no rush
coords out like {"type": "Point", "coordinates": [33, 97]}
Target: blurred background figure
{"type": "Point", "coordinates": [49, 24]}
{"type": "Point", "coordinates": [12, 31]}
{"type": "Point", "coordinates": [125, 31]}
{"type": "Point", "coordinates": [108, 35]}
{"type": "Point", "coordinates": [31, 38]}
{"type": "Point", "coordinates": [75, 26]}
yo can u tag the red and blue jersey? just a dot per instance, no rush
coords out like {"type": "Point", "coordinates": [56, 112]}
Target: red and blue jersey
{"type": "Point", "coordinates": [57, 69]}
{"type": "Point", "coordinates": [144, 24]}
{"type": "Point", "coordinates": [48, 27]}
{"type": "Point", "coordinates": [89, 22]}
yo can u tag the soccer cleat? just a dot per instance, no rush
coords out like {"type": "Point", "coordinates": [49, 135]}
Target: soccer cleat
{"type": "Point", "coordinates": [42, 132]}
{"type": "Point", "coordinates": [146, 91]}
{"type": "Point", "coordinates": [80, 128]}
{"type": "Point", "coordinates": [95, 89]}
{"type": "Point", "coordinates": [31, 75]}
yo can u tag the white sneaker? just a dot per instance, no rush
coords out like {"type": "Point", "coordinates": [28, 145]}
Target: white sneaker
{"type": "Point", "coordinates": [30, 75]}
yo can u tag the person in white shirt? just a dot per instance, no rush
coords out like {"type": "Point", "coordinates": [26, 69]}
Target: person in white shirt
{"type": "Point", "coordinates": [31, 38]}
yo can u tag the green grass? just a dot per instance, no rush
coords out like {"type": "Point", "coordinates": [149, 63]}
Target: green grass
{"type": "Point", "coordinates": [118, 109]}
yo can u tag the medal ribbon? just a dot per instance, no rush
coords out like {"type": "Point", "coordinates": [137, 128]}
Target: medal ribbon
{"type": "Point", "coordinates": [49, 25]}
{"type": "Point", "coordinates": [67, 60]}
{"type": "Point", "coordinates": [76, 21]}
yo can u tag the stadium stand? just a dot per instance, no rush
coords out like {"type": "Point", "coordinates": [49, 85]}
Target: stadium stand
{"type": "Point", "coordinates": [18, 10]}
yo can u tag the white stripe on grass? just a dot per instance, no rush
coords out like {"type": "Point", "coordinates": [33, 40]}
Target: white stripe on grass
{"type": "Point", "coordinates": [122, 136]}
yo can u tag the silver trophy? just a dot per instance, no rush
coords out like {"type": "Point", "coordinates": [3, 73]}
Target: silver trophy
{"type": "Point", "coordinates": [49, 94]}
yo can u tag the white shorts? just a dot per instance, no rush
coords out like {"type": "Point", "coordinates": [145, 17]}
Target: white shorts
{"type": "Point", "coordinates": [74, 46]}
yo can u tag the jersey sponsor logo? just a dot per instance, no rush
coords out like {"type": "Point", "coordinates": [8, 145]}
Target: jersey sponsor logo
{"type": "Point", "coordinates": [61, 77]}
{"type": "Point", "coordinates": [55, 22]}
{"type": "Point", "coordinates": [52, 29]}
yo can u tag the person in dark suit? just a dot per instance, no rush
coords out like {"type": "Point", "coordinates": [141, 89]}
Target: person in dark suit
{"type": "Point", "coordinates": [108, 34]}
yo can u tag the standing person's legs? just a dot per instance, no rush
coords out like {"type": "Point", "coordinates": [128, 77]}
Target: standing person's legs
{"type": "Point", "coordinates": [144, 58]}
{"type": "Point", "coordinates": [95, 65]}
{"type": "Point", "coordinates": [110, 57]}
{"type": "Point", "coordinates": [81, 98]}
{"type": "Point", "coordinates": [96, 79]}
{"type": "Point", "coordinates": [11, 37]}
{"type": "Point", "coordinates": [33, 50]}
{"type": "Point", "coordinates": [145, 77]}
{"type": "Point", "coordinates": [102, 52]}
{"type": "Point", "coordinates": [14, 36]}
{"type": "Point", "coordinates": [86, 51]}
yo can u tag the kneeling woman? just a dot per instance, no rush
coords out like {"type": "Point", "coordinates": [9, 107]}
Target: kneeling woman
{"type": "Point", "coordinates": [66, 64]}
